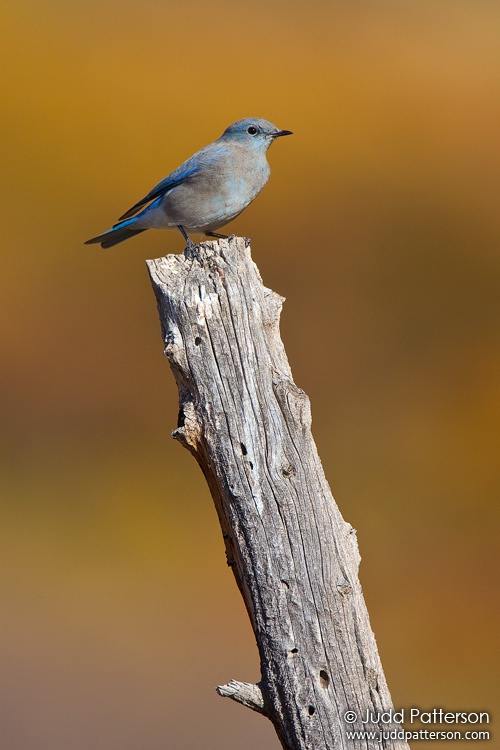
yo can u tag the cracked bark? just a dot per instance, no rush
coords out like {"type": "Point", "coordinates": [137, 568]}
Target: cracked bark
{"type": "Point", "coordinates": [294, 558]}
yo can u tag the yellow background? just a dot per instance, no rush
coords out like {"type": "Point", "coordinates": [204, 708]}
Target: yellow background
{"type": "Point", "coordinates": [380, 225]}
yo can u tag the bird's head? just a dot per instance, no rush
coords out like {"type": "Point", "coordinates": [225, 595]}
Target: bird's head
{"type": "Point", "coordinates": [254, 132]}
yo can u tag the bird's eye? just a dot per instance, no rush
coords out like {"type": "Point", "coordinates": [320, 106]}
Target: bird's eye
{"type": "Point", "coordinates": [252, 130]}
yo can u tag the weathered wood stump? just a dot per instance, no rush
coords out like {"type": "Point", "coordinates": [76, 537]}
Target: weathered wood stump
{"type": "Point", "coordinates": [293, 556]}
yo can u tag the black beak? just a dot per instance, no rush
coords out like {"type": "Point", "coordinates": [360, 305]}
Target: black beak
{"type": "Point", "coordinates": [279, 133]}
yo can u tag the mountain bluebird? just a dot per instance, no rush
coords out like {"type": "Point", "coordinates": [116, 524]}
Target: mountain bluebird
{"type": "Point", "coordinates": [209, 190]}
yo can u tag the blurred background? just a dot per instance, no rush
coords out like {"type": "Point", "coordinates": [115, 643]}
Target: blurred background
{"type": "Point", "coordinates": [380, 225]}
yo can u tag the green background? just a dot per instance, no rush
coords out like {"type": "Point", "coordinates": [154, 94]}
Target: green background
{"type": "Point", "coordinates": [381, 227]}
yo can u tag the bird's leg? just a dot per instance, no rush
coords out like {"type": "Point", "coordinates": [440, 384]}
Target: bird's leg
{"type": "Point", "coordinates": [189, 242]}
{"type": "Point", "coordinates": [218, 236]}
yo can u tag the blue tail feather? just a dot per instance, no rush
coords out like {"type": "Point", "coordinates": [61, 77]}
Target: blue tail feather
{"type": "Point", "coordinates": [120, 232]}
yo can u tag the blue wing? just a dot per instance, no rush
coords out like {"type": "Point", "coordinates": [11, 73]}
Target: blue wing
{"type": "Point", "coordinates": [177, 177]}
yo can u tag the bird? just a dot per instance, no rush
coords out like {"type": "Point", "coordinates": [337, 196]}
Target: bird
{"type": "Point", "coordinates": [208, 191]}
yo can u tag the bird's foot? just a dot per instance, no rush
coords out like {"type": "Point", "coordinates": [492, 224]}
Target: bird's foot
{"type": "Point", "coordinates": [189, 242]}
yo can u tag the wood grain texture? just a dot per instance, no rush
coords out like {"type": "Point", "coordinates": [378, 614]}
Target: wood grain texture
{"type": "Point", "coordinates": [293, 556]}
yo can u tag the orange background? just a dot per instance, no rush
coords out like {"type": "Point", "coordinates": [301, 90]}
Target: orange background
{"type": "Point", "coordinates": [380, 225]}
